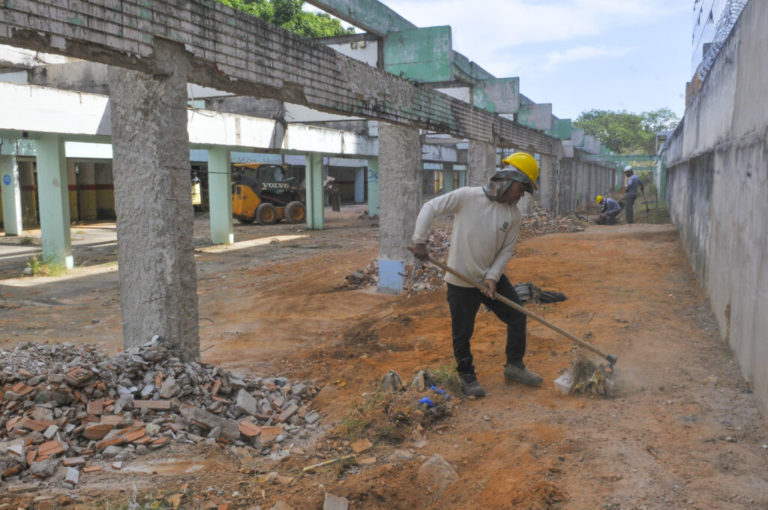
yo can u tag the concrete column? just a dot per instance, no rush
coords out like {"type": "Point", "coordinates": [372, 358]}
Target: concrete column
{"type": "Point", "coordinates": [360, 185]}
{"type": "Point", "coordinates": [158, 286]}
{"type": "Point", "coordinates": [105, 191]}
{"type": "Point", "coordinates": [86, 186]}
{"type": "Point", "coordinates": [54, 201]}
{"type": "Point", "coordinates": [11, 186]}
{"type": "Point", "coordinates": [548, 182]}
{"type": "Point", "coordinates": [314, 190]}
{"type": "Point", "coordinates": [400, 164]}
{"type": "Point", "coordinates": [482, 163]}
{"type": "Point", "coordinates": [447, 177]}
{"type": "Point", "coordinates": [72, 191]}
{"type": "Point", "coordinates": [220, 196]}
{"type": "Point", "coordinates": [373, 187]}
{"type": "Point", "coordinates": [28, 194]}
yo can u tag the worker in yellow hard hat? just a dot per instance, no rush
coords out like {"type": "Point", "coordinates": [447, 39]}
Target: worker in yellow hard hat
{"type": "Point", "coordinates": [485, 228]}
{"type": "Point", "coordinates": [609, 210]}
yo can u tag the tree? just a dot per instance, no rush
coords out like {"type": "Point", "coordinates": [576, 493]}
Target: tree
{"type": "Point", "coordinates": [289, 15]}
{"type": "Point", "coordinates": [624, 132]}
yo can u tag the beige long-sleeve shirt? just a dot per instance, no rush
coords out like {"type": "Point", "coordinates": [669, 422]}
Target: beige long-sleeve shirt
{"type": "Point", "coordinates": [483, 237]}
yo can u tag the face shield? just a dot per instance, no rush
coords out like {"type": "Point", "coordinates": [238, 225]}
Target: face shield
{"type": "Point", "coordinates": [500, 182]}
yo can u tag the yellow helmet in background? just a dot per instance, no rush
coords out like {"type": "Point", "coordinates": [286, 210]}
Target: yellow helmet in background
{"type": "Point", "coordinates": [526, 164]}
{"type": "Point", "coordinates": [599, 199]}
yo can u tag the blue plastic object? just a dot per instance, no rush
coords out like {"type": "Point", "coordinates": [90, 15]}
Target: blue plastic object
{"type": "Point", "coordinates": [427, 402]}
{"type": "Point", "coordinates": [437, 390]}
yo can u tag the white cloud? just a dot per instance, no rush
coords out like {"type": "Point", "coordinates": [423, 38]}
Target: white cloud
{"type": "Point", "coordinates": [583, 53]}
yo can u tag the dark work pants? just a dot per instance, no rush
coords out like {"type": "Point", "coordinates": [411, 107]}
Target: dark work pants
{"type": "Point", "coordinates": [629, 203]}
{"type": "Point", "coordinates": [464, 302]}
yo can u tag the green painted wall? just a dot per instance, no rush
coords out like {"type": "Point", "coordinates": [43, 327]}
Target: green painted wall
{"type": "Point", "coordinates": [561, 128]}
{"type": "Point", "coordinates": [497, 95]}
{"type": "Point", "coordinates": [423, 55]}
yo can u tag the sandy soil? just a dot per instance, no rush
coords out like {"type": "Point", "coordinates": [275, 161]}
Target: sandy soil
{"type": "Point", "coordinates": [683, 431]}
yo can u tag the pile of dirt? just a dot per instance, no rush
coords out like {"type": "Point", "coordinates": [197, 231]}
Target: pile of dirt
{"type": "Point", "coordinates": [70, 405]}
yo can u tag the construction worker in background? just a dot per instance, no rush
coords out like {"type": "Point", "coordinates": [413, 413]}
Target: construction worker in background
{"type": "Point", "coordinates": [609, 210]}
{"type": "Point", "coordinates": [633, 182]}
{"type": "Point", "coordinates": [485, 227]}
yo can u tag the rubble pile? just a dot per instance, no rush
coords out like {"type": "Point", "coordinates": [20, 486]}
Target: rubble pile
{"type": "Point", "coordinates": [423, 276]}
{"type": "Point", "coordinates": [540, 221]}
{"type": "Point", "coordinates": [70, 405]}
{"type": "Point", "coordinates": [426, 277]}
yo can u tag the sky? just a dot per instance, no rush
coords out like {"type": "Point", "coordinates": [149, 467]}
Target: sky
{"type": "Point", "coordinates": [579, 55]}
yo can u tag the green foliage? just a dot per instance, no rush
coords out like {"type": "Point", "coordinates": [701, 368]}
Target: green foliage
{"type": "Point", "coordinates": [36, 267]}
{"type": "Point", "coordinates": [26, 240]}
{"type": "Point", "coordinates": [624, 132]}
{"type": "Point", "coordinates": [289, 15]}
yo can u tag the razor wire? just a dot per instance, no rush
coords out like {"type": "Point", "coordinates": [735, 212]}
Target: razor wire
{"type": "Point", "coordinates": [725, 24]}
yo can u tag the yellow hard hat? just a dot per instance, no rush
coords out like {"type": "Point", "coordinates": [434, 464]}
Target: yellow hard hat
{"type": "Point", "coordinates": [599, 199]}
{"type": "Point", "coordinates": [526, 164]}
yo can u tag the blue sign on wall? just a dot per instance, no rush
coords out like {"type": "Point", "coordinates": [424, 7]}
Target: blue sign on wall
{"type": "Point", "coordinates": [6, 180]}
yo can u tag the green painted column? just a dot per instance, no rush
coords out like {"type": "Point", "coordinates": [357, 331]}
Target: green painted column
{"type": "Point", "coordinates": [220, 196]}
{"type": "Point", "coordinates": [54, 200]}
{"type": "Point", "coordinates": [447, 177]}
{"type": "Point", "coordinates": [314, 189]}
{"type": "Point", "coordinates": [373, 187]}
{"type": "Point", "coordinates": [9, 181]}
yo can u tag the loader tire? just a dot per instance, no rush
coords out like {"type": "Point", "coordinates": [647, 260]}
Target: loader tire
{"type": "Point", "coordinates": [295, 212]}
{"type": "Point", "coordinates": [266, 214]}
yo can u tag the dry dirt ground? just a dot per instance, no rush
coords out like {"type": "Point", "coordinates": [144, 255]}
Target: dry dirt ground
{"type": "Point", "coordinates": [683, 430]}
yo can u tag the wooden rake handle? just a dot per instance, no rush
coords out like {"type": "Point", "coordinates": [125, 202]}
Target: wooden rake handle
{"type": "Point", "coordinates": [578, 341]}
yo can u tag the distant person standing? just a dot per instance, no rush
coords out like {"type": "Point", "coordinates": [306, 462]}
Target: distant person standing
{"type": "Point", "coordinates": [633, 182]}
{"type": "Point", "coordinates": [609, 210]}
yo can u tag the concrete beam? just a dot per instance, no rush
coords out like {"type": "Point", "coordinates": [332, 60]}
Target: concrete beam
{"type": "Point", "coordinates": [536, 116]}
{"type": "Point", "coordinates": [423, 55]}
{"type": "Point", "coordinates": [497, 95]}
{"type": "Point", "coordinates": [371, 16]}
{"type": "Point", "coordinates": [79, 115]}
{"type": "Point", "coordinates": [231, 51]}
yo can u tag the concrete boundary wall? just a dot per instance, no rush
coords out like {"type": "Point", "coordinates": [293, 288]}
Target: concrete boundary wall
{"type": "Point", "coordinates": [717, 184]}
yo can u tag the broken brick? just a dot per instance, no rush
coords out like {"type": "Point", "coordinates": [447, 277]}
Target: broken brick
{"type": "Point", "coordinates": [249, 429]}
{"type": "Point", "coordinates": [152, 404]}
{"type": "Point", "coordinates": [95, 407]}
{"type": "Point", "coordinates": [97, 431]}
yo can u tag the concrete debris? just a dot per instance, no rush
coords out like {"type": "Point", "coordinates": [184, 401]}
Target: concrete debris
{"type": "Point", "coordinates": [426, 277]}
{"type": "Point", "coordinates": [540, 222]}
{"type": "Point", "coordinates": [391, 381]}
{"type": "Point", "coordinates": [70, 405]}
{"type": "Point", "coordinates": [437, 473]}
{"type": "Point", "coordinates": [335, 502]}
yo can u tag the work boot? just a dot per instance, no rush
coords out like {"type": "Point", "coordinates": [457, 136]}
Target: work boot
{"type": "Point", "coordinates": [470, 387]}
{"type": "Point", "coordinates": [521, 374]}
